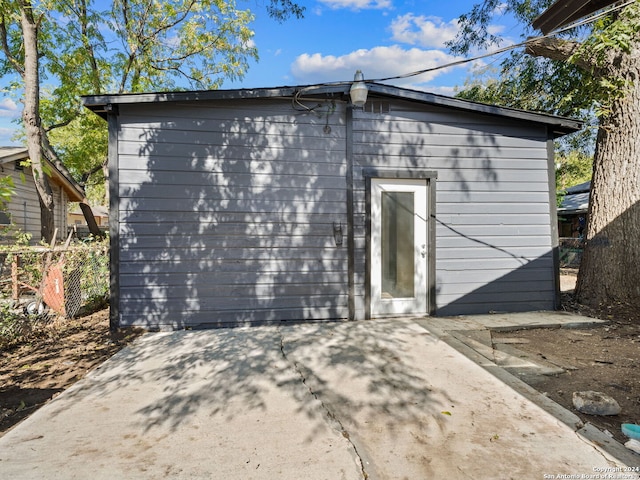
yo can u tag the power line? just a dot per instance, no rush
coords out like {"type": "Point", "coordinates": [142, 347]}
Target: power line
{"type": "Point", "coordinates": [580, 23]}
{"type": "Point", "coordinates": [299, 106]}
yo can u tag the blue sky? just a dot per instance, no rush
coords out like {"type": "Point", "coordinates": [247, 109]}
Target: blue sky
{"type": "Point", "coordinates": [383, 38]}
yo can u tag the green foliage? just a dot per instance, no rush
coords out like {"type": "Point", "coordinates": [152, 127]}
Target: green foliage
{"type": "Point", "coordinates": [475, 26]}
{"type": "Point", "coordinates": [83, 145]}
{"type": "Point", "coordinates": [572, 168]}
{"type": "Point", "coordinates": [281, 10]}
{"type": "Point", "coordinates": [7, 188]}
{"type": "Point", "coordinates": [612, 35]}
{"type": "Point", "coordinates": [605, 49]}
{"type": "Point", "coordinates": [563, 87]}
{"type": "Point", "coordinates": [525, 82]}
{"type": "Point", "coordinates": [13, 324]}
{"type": "Point", "coordinates": [522, 90]}
{"type": "Point", "coordinates": [125, 46]}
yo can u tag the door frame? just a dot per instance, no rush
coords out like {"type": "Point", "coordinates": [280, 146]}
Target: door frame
{"type": "Point", "coordinates": [429, 177]}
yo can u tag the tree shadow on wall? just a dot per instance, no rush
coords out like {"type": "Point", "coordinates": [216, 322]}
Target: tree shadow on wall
{"type": "Point", "coordinates": [228, 215]}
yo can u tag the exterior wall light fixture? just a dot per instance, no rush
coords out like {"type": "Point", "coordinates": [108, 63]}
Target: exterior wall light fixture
{"type": "Point", "coordinates": [337, 233]}
{"type": "Point", "coordinates": [358, 91]}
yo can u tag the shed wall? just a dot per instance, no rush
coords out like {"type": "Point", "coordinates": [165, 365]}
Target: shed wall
{"type": "Point", "coordinates": [493, 229]}
{"type": "Point", "coordinates": [226, 214]}
{"type": "Point", "coordinates": [226, 211]}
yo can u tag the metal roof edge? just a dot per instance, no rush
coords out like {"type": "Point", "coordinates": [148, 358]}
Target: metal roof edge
{"type": "Point", "coordinates": [566, 125]}
{"type": "Point", "coordinates": [104, 104]}
{"type": "Point", "coordinates": [100, 103]}
{"type": "Point", "coordinates": [563, 12]}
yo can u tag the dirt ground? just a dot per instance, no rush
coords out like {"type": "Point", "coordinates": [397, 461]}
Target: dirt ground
{"type": "Point", "coordinates": [53, 359]}
{"type": "Point", "coordinates": [604, 358]}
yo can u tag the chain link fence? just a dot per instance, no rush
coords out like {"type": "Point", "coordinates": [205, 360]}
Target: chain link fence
{"type": "Point", "coordinates": [571, 252]}
{"type": "Point", "coordinates": [38, 284]}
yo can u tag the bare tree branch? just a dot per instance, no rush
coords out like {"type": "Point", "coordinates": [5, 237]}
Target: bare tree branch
{"type": "Point", "coordinates": [7, 51]}
{"type": "Point", "coordinates": [558, 49]}
{"type": "Point", "coordinates": [87, 175]}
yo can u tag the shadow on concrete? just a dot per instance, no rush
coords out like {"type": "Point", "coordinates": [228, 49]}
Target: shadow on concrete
{"type": "Point", "coordinates": [234, 372]}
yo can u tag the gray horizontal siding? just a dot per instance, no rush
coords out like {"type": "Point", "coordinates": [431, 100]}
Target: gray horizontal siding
{"type": "Point", "coordinates": [24, 206]}
{"type": "Point", "coordinates": [493, 233]}
{"type": "Point", "coordinates": [247, 265]}
{"type": "Point", "coordinates": [301, 205]}
{"type": "Point", "coordinates": [528, 251]}
{"type": "Point", "coordinates": [226, 215]}
{"type": "Point", "coordinates": [204, 252]}
{"type": "Point", "coordinates": [212, 218]}
{"type": "Point", "coordinates": [224, 179]}
{"type": "Point", "coordinates": [226, 210]}
{"type": "Point", "coordinates": [202, 318]}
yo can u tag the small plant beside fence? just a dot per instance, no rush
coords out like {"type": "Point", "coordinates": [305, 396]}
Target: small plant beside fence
{"type": "Point", "coordinates": [39, 284]}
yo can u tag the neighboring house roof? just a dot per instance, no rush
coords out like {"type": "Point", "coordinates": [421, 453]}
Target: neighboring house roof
{"type": "Point", "coordinates": [580, 188]}
{"type": "Point", "coordinates": [576, 200]}
{"type": "Point", "coordinates": [98, 211]}
{"type": "Point", "coordinates": [105, 104]}
{"type": "Point", "coordinates": [563, 12]}
{"type": "Point", "coordinates": [74, 191]}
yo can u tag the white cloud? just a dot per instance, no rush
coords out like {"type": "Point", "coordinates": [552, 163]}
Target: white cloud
{"type": "Point", "coordinates": [496, 29]}
{"type": "Point", "coordinates": [9, 108]}
{"type": "Point", "coordinates": [425, 31]}
{"type": "Point", "coordinates": [357, 4]}
{"type": "Point", "coordinates": [376, 63]}
{"type": "Point", "coordinates": [443, 90]}
{"type": "Point", "coordinates": [6, 136]}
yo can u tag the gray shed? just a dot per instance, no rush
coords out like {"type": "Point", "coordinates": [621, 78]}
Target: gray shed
{"type": "Point", "coordinates": [254, 206]}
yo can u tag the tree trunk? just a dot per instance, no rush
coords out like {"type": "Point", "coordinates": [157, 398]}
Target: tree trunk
{"type": "Point", "coordinates": [609, 270]}
{"type": "Point", "coordinates": [31, 118]}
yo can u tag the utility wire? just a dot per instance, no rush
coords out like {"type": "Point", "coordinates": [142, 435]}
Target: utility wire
{"type": "Point", "coordinates": [299, 106]}
{"type": "Point", "coordinates": [580, 23]}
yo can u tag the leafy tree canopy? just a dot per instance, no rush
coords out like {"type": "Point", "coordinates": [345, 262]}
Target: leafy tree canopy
{"type": "Point", "coordinates": [567, 74]}
{"type": "Point", "coordinates": [566, 85]}
{"type": "Point", "coordinates": [124, 46]}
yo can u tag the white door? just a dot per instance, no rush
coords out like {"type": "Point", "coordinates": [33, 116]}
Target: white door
{"type": "Point", "coordinates": [398, 246]}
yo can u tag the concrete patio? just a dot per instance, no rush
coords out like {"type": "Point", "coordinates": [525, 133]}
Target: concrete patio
{"type": "Point", "coordinates": [381, 399]}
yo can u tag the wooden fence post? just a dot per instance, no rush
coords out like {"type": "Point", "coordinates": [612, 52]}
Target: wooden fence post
{"type": "Point", "coordinates": [15, 287]}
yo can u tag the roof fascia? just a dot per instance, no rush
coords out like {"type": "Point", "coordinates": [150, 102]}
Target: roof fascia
{"type": "Point", "coordinates": [12, 157]}
{"type": "Point", "coordinates": [106, 104]}
{"type": "Point", "coordinates": [563, 12]}
{"type": "Point", "coordinates": [74, 191]}
{"type": "Point", "coordinates": [562, 125]}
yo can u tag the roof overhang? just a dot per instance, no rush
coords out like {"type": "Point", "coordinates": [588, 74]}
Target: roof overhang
{"type": "Point", "coordinates": [574, 203]}
{"type": "Point", "coordinates": [74, 191]}
{"type": "Point", "coordinates": [563, 12]}
{"type": "Point", "coordinates": [104, 105]}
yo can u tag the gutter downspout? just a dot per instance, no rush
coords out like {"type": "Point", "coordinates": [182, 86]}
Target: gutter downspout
{"type": "Point", "coordinates": [553, 211]}
{"type": "Point", "coordinates": [351, 262]}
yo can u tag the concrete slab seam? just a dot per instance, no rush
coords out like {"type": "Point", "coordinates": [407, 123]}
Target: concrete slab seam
{"type": "Point", "coordinates": [607, 457]}
{"type": "Point", "coordinates": [338, 426]}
